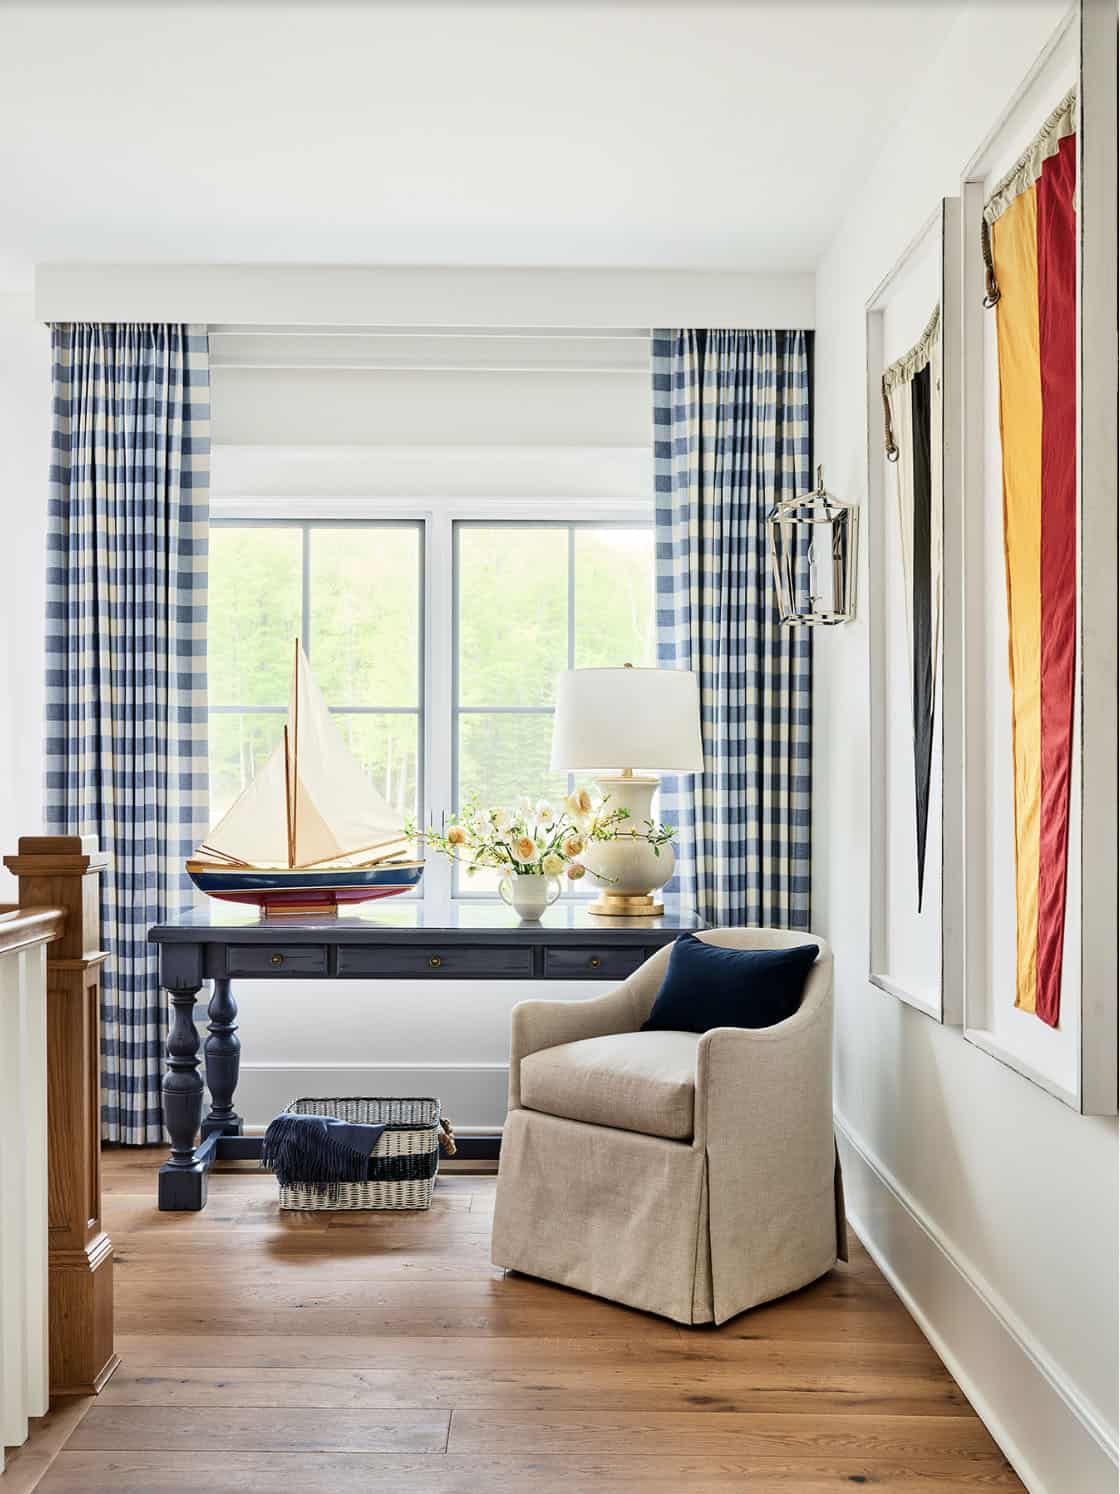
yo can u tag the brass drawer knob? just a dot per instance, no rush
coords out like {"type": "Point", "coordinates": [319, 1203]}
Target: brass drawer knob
{"type": "Point", "coordinates": [595, 962]}
{"type": "Point", "coordinates": [277, 959]}
{"type": "Point", "coordinates": [435, 962]}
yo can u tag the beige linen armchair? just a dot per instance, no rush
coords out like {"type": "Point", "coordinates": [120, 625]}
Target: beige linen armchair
{"type": "Point", "coordinates": [691, 1175]}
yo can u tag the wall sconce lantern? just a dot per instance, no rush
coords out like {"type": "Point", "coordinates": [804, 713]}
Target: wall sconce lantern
{"type": "Point", "coordinates": [813, 541]}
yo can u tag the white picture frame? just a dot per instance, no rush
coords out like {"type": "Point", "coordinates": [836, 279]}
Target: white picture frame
{"type": "Point", "coordinates": [1076, 1061]}
{"type": "Point", "coordinates": [914, 955]}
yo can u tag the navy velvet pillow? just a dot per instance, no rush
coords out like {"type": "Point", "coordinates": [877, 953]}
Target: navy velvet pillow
{"type": "Point", "coordinates": [708, 986]}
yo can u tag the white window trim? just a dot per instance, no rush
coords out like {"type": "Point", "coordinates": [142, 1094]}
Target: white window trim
{"type": "Point", "coordinates": [438, 517]}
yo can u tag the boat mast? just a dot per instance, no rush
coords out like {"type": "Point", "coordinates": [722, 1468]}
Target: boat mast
{"type": "Point", "coordinates": [288, 799]}
{"type": "Point", "coordinates": [293, 780]}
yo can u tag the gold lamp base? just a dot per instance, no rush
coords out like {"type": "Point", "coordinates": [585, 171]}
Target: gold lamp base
{"type": "Point", "coordinates": [619, 905]}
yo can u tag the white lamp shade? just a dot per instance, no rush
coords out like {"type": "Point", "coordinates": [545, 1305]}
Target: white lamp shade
{"type": "Point", "coordinates": [646, 719]}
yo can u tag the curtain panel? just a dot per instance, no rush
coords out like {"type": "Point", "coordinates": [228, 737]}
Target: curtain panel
{"type": "Point", "coordinates": [126, 659]}
{"type": "Point", "coordinates": [732, 437]}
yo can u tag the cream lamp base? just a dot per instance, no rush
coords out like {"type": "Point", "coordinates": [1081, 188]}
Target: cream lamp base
{"type": "Point", "coordinates": [628, 869]}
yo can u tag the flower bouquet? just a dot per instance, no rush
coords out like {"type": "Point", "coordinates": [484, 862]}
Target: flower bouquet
{"type": "Point", "coordinates": [532, 845]}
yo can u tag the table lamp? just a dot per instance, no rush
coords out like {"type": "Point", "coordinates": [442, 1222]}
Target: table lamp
{"type": "Point", "coordinates": [627, 726]}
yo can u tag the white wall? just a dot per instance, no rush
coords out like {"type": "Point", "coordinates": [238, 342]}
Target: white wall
{"type": "Point", "coordinates": [421, 296]}
{"type": "Point", "coordinates": [992, 1205]}
{"type": "Point", "coordinates": [24, 456]}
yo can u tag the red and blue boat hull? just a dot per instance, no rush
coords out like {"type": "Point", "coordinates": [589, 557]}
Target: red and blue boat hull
{"type": "Point", "coordinates": [296, 891]}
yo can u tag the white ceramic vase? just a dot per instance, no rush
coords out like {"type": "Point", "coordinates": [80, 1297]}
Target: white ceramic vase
{"type": "Point", "coordinates": [529, 893]}
{"type": "Point", "coordinates": [629, 869]}
{"type": "Point", "coordinates": [628, 866]}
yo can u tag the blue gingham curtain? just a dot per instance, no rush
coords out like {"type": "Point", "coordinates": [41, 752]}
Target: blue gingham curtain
{"type": "Point", "coordinates": [731, 437]}
{"type": "Point", "coordinates": [126, 659]}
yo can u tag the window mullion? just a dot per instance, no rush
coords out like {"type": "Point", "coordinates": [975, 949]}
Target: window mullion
{"type": "Point", "coordinates": [305, 593]}
{"type": "Point", "coordinates": [571, 596]}
{"type": "Point", "coordinates": [439, 720]}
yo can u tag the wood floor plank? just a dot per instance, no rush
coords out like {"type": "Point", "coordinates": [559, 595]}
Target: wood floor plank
{"type": "Point", "coordinates": [727, 1375]}
{"type": "Point", "coordinates": [721, 1434]}
{"type": "Point", "coordinates": [465, 1309]}
{"type": "Point", "coordinates": [107, 1428]}
{"type": "Point", "coordinates": [506, 1308]}
{"type": "Point", "coordinates": [308, 1269]}
{"type": "Point", "coordinates": [356, 1473]}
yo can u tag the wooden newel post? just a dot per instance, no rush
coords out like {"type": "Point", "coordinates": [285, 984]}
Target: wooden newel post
{"type": "Point", "coordinates": [63, 871]}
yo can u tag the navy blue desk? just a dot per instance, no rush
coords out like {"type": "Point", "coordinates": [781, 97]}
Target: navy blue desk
{"type": "Point", "coordinates": [393, 940]}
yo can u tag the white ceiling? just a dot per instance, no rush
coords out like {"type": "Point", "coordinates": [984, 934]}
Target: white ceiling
{"type": "Point", "coordinates": [684, 135]}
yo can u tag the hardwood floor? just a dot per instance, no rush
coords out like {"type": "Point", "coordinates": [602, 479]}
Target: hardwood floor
{"type": "Point", "coordinates": [324, 1354]}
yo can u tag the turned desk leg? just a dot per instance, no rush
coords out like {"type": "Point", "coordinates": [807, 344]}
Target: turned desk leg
{"type": "Point", "coordinates": [223, 1062]}
{"type": "Point", "coordinates": [182, 1179]}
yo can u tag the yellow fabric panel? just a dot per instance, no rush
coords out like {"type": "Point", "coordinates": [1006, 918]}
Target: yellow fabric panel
{"type": "Point", "coordinates": [1015, 254]}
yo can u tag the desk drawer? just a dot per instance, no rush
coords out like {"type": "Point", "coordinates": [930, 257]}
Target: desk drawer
{"type": "Point", "coordinates": [270, 959]}
{"type": "Point", "coordinates": [452, 962]}
{"type": "Point", "coordinates": [590, 962]}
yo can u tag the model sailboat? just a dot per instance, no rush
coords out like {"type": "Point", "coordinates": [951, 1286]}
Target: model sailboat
{"type": "Point", "coordinates": [310, 832]}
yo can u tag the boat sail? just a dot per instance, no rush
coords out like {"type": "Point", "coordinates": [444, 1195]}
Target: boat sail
{"type": "Point", "coordinates": [309, 831]}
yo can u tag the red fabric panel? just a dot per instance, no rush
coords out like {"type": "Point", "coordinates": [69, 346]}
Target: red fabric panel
{"type": "Point", "coordinates": [1057, 319]}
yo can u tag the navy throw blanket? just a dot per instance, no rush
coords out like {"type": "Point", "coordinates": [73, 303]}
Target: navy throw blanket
{"type": "Point", "coordinates": [318, 1149]}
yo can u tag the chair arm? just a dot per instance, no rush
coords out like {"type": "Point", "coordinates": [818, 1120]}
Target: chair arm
{"type": "Point", "coordinates": [776, 1078]}
{"type": "Point", "coordinates": [547, 1024]}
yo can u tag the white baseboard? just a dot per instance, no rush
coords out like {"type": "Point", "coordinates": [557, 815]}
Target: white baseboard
{"type": "Point", "coordinates": [473, 1096]}
{"type": "Point", "coordinates": [1055, 1440]}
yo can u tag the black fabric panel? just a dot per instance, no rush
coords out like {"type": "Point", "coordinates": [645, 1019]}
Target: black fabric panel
{"type": "Point", "coordinates": [923, 642]}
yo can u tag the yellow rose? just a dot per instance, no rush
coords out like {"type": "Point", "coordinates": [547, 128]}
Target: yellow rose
{"type": "Point", "coordinates": [575, 871]}
{"type": "Point", "coordinates": [552, 864]}
{"type": "Point", "coordinates": [573, 845]}
{"type": "Point", "coordinates": [524, 848]}
{"type": "Point", "coordinates": [456, 836]}
{"type": "Point", "coordinates": [579, 802]}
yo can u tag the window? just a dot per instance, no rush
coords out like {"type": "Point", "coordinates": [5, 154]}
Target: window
{"type": "Point", "coordinates": [531, 600]}
{"type": "Point", "coordinates": [437, 711]}
{"type": "Point", "coordinates": [352, 593]}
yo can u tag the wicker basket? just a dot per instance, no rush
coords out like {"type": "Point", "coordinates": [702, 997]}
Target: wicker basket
{"type": "Point", "coordinates": [403, 1164]}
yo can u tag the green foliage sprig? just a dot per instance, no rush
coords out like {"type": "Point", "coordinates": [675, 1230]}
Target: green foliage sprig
{"type": "Point", "coordinates": [604, 824]}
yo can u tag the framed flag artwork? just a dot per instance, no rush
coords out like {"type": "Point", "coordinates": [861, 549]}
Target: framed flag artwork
{"type": "Point", "coordinates": [1039, 562]}
{"type": "Point", "coordinates": [913, 455]}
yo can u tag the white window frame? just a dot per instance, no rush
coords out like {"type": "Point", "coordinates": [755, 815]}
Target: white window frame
{"type": "Point", "coordinates": [438, 613]}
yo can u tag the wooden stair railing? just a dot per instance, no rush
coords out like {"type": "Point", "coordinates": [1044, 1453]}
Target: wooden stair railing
{"type": "Point", "coordinates": [63, 872]}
